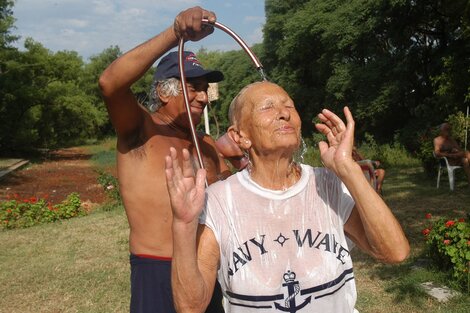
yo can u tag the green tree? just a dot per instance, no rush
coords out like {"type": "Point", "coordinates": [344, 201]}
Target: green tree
{"type": "Point", "coordinates": [45, 106]}
{"type": "Point", "coordinates": [399, 64]}
{"type": "Point", "coordinates": [6, 23]}
{"type": "Point", "coordinates": [48, 99]}
{"type": "Point", "coordinates": [7, 56]}
{"type": "Point", "coordinates": [89, 83]}
{"type": "Point", "coordinates": [92, 72]}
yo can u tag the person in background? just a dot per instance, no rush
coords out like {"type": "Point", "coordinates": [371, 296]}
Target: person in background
{"type": "Point", "coordinates": [446, 146]}
{"type": "Point", "coordinates": [143, 139]}
{"type": "Point", "coordinates": [378, 172]}
{"type": "Point", "coordinates": [277, 234]}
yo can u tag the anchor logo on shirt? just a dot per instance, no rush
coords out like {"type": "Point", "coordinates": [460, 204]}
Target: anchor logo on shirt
{"type": "Point", "coordinates": [293, 289]}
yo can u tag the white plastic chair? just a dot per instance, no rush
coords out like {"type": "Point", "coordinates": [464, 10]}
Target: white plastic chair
{"type": "Point", "coordinates": [444, 164]}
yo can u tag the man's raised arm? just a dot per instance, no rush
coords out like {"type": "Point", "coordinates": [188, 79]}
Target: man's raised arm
{"type": "Point", "coordinates": [115, 82]}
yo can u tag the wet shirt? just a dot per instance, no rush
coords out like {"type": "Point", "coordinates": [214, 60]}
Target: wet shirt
{"type": "Point", "coordinates": [283, 251]}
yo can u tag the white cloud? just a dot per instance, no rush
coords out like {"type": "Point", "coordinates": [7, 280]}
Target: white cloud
{"type": "Point", "coordinates": [90, 26]}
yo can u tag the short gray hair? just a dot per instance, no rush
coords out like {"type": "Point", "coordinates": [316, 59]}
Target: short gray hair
{"type": "Point", "coordinates": [235, 107]}
{"type": "Point", "coordinates": [167, 87]}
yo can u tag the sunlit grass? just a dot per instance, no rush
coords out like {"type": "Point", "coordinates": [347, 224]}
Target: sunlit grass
{"type": "Point", "coordinates": [103, 154]}
{"type": "Point", "coordinates": [81, 265]}
{"type": "Point", "coordinates": [396, 288]}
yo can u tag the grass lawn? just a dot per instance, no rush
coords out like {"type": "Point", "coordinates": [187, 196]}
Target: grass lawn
{"type": "Point", "coordinates": [78, 265]}
{"type": "Point", "coordinates": [81, 265]}
{"type": "Point", "coordinates": [394, 288]}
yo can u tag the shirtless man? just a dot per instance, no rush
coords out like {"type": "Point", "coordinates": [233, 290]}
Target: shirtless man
{"type": "Point", "coordinates": [446, 146]}
{"type": "Point", "coordinates": [378, 172]}
{"type": "Point", "coordinates": [143, 140]}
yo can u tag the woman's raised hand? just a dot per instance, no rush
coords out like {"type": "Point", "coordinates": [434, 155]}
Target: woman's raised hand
{"type": "Point", "coordinates": [336, 154]}
{"type": "Point", "coordinates": [187, 190]}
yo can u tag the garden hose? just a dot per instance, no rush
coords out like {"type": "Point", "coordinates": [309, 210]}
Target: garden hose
{"type": "Point", "coordinates": [250, 53]}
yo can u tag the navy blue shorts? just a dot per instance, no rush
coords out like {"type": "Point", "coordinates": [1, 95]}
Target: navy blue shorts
{"type": "Point", "coordinates": [151, 287]}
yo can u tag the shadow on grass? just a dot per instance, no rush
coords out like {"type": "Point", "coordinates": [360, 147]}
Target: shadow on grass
{"type": "Point", "coordinates": [404, 281]}
{"type": "Point", "coordinates": [400, 281]}
{"type": "Point", "coordinates": [413, 179]}
{"type": "Point", "coordinates": [411, 195]}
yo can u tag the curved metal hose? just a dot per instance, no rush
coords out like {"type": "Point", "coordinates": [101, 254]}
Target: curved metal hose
{"type": "Point", "coordinates": [245, 47]}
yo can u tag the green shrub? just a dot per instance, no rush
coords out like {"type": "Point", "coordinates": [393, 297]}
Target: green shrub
{"type": "Point", "coordinates": [459, 124]}
{"type": "Point", "coordinates": [110, 185]}
{"type": "Point", "coordinates": [21, 213]}
{"type": "Point", "coordinates": [70, 207]}
{"type": "Point", "coordinates": [448, 244]}
{"type": "Point", "coordinates": [425, 151]}
{"type": "Point", "coordinates": [389, 155]}
{"type": "Point", "coordinates": [311, 153]}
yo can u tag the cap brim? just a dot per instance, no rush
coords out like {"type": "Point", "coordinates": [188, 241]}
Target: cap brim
{"type": "Point", "coordinates": [211, 76]}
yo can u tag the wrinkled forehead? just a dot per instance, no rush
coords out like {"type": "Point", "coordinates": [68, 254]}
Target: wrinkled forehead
{"type": "Point", "coordinates": [255, 95]}
{"type": "Point", "coordinates": [263, 93]}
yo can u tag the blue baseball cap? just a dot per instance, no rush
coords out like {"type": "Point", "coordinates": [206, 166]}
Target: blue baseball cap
{"type": "Point", "coordinates": [168, 68]}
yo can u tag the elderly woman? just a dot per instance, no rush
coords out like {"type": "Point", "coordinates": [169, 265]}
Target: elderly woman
{"type": "Point", "coordinates": [277, 235]}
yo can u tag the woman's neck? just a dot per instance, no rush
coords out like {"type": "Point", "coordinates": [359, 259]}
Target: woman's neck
{"type": "Point", "coordinates": [275, 174]}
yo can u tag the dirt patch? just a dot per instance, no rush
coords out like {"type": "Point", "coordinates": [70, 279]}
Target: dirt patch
{"type": "Point", "coordinates": [60, 173]}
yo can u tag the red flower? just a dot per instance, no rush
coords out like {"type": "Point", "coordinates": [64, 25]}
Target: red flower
{"type": "Point", "coordinates": [461, 220]}
{"type": "Point", "coordinates": [33, 200]}
{"type": "Point", "coordinates": [428, 215]}
{"type": "Point", "coordinates": [447, 242]}
{"type": "Point", "coordinates": [8, 211]}
{"type": "Point", "coordinates": [468, 243]}
{"type": "Point", "coordinates": [450, 223]}
{"type": "Point", "coordinates": [426, 231]}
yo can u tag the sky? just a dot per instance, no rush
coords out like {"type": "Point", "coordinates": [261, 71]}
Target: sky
{"type": "Point", "coordinates": [90, 26]}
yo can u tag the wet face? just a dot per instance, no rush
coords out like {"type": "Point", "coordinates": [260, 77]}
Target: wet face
{"type": "Point", "coordinates": [269, 120]}
{"type": "Point", "coordinates": [198, 99]}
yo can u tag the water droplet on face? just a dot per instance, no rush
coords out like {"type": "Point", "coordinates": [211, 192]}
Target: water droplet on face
{"type": "Point", "coordinates": [300, 152]}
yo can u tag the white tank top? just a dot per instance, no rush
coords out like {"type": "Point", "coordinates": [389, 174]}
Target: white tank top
{"type": "Point", "coordinates": [283, 251]}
